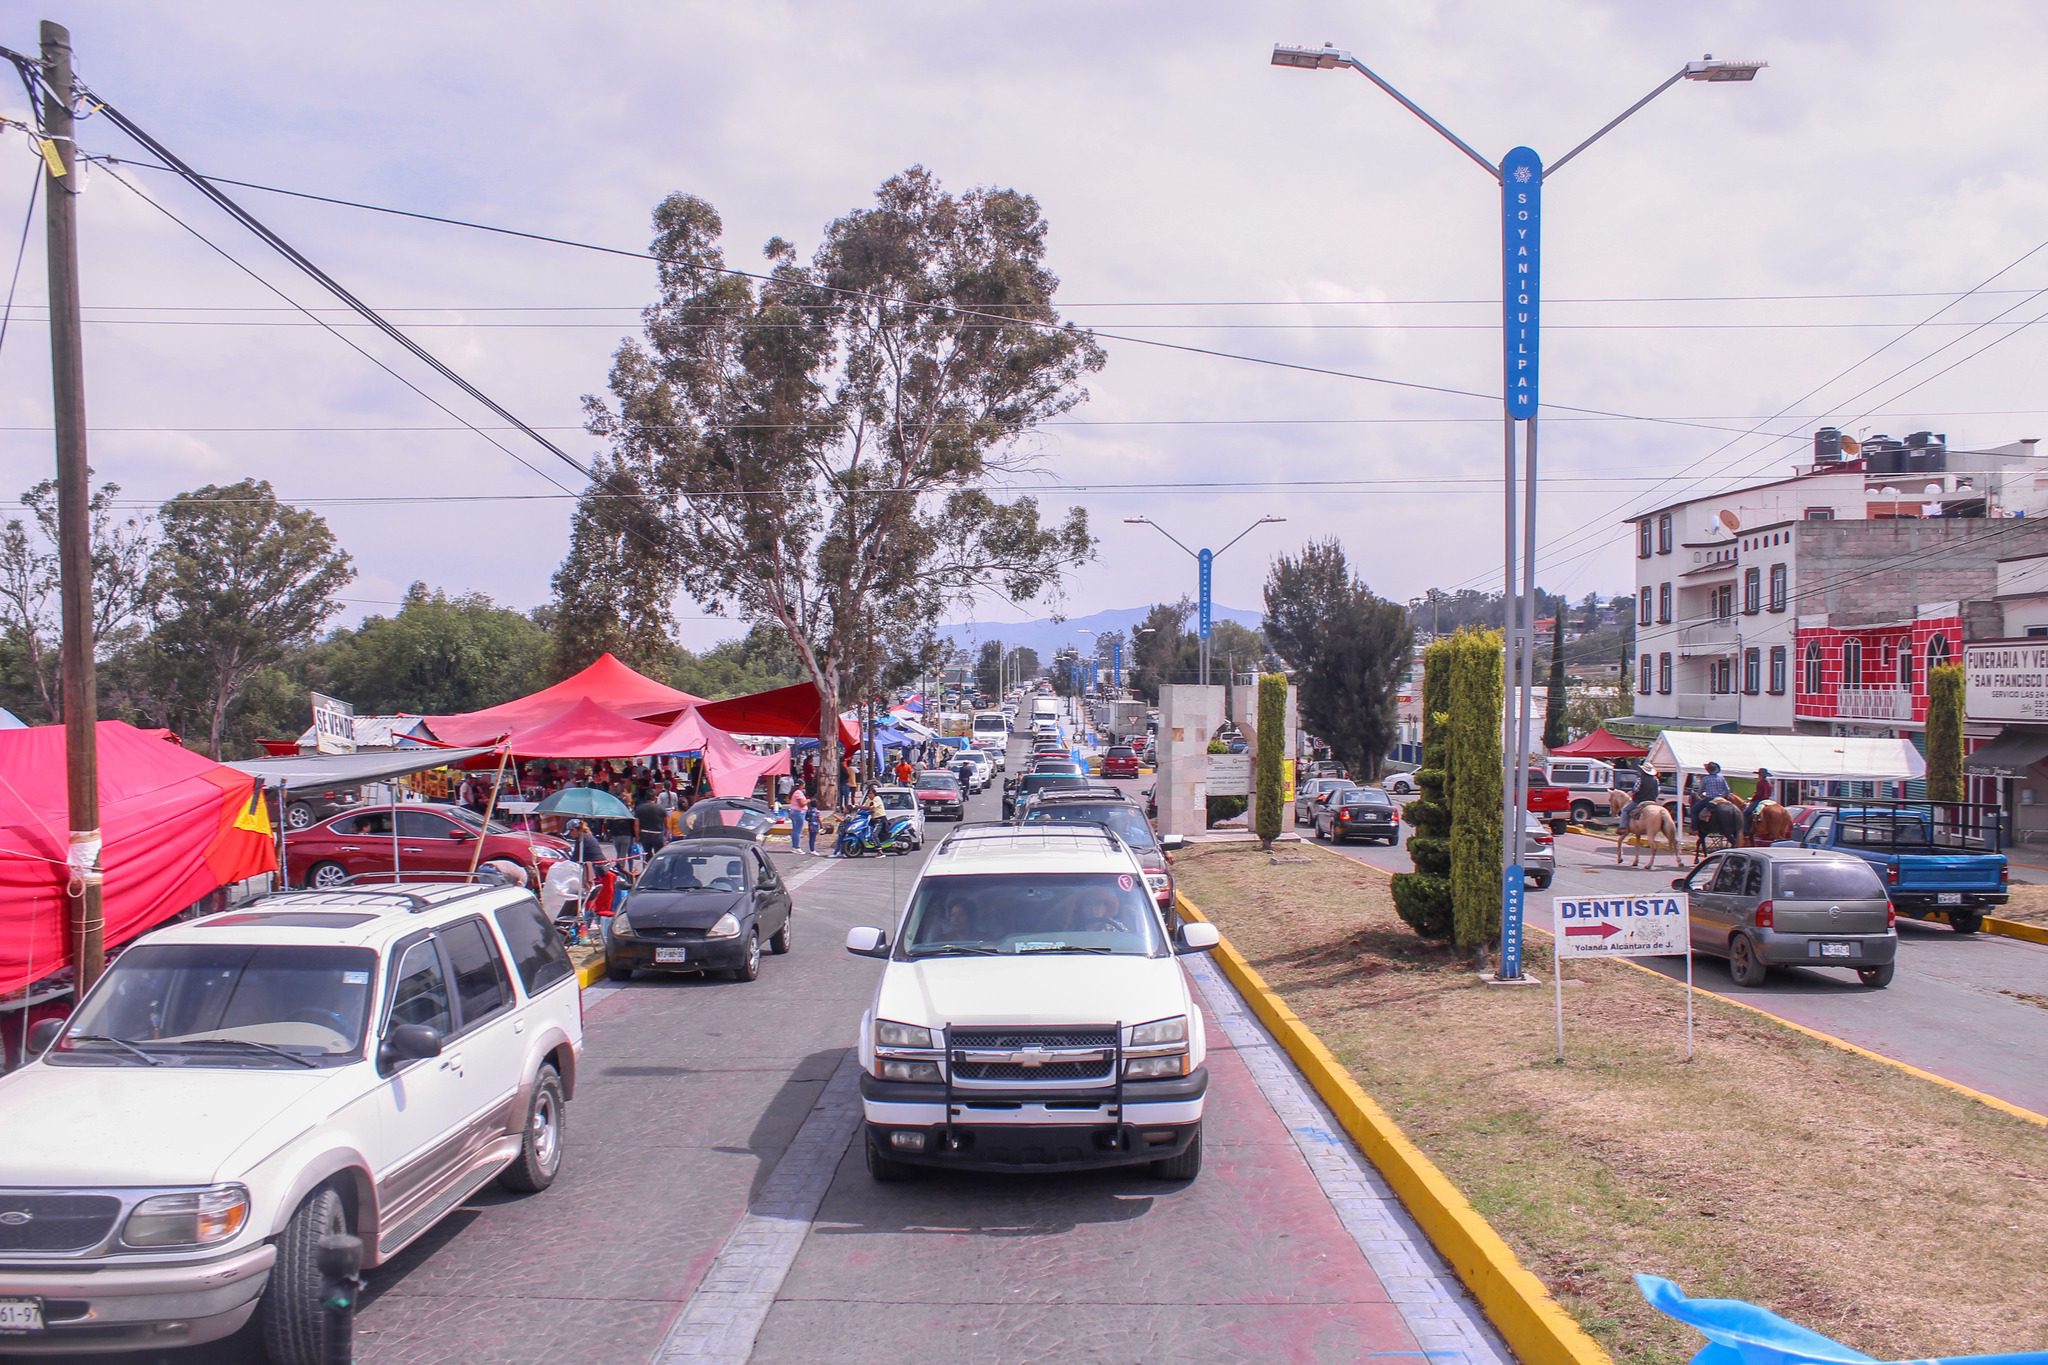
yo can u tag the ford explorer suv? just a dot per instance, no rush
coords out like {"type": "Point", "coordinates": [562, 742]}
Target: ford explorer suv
{"type": "Point", "coordinates": [1032, 1015]}
{"type": "Point", "coordinates": [239, 1086]}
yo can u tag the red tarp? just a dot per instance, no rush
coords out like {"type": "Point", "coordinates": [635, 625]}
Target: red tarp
{"type": "Point", "coordinates": [607, 682]}
{"type": "Point", "coordinates": [1601, 745]}
{"type": "Point", "coordinates": [791, 712]}
{"type": "Point", "coordinates": [731, 768]}
{"type": "Point", "coordinates": [175, 827]}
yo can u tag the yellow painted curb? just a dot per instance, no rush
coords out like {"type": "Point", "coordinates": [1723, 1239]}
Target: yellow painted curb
{"type": "Point", "coordinates": [1535, 1327]}
{"type": "Point", "coordinates": [2019, 929]}
{"type": "Point", "coordinates": [591, 972]}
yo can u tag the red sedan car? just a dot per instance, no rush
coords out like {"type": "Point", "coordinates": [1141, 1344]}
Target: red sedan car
{"type": "Point", "coordinates": [1120, 761]}
{"type": "Point", "coordinates": [432, 840]}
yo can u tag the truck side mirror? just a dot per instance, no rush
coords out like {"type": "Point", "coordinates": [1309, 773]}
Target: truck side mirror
{"type": "Point", "coordinates": [409, 1043]}
{"type": "Point", "coordinates": [1198, 936]}
{"type": "Point", "coordinates": [1173, 843]}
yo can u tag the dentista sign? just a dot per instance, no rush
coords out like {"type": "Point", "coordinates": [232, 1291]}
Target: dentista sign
{"type": "Point", "coordinates": [2007, 681]}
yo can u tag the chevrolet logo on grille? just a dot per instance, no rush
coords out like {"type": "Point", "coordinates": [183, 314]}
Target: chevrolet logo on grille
{"type": "Point", "coordinates": [1031, 1056]}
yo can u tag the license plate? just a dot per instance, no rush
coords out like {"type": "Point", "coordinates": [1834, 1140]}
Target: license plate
{"type": "Point", "coordinates": [1838, 950]}
{"type": "Point", "coordinates": [671, 955]}
{"type": "Point", "coordinates": [1949, 898]}
{"type": "Point", "coordinates": [21, 1315]}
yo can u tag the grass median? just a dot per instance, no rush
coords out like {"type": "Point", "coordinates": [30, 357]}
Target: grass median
{"type": "Point", "coordinates": [1897, 1216]}
{"type": "Point", "coordinates": [2029, 904]}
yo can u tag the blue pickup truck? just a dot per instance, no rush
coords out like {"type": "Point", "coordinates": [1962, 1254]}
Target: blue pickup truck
{"type": "Point", "coordinates": [1935, 860]}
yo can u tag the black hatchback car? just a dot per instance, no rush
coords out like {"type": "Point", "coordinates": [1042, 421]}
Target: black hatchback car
{"type": "Point", "coordinates": [700, 906]}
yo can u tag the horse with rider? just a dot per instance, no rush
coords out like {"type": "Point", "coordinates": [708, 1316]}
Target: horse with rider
{"type": "Point", "coordinates": [1715, 814]}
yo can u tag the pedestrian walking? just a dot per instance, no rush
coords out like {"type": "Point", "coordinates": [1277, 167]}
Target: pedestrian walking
{"type": "Point", "coordinates": [651, 820]}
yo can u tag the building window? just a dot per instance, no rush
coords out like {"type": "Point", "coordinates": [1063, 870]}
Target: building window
{"type": "Point", "coordinates": [1752, 591]}
{"type": "Point", "coordinates": [1724, 602]}
{"type": "Point", "coordinates": [1813, 669]}
{"type": "Point", "coordinates": [1906, 664]}
{"type": "Point", "coordinates": [1664, 534]}
{"type": "Point", "coordinates": [1664, 673]}
{"type": "Point", "coordinates": [1643, 611]}
{"type": "Point", "coordinates": [1643, 538]}
{"type": "Point", "coordinates": [1852, 663]}
{"type": "Point", "coordinates": [1752, 670]}
{"type": "Point", "coordinates": [1643, 675]}
{"type": "Point", "coordinates": [1777, 670]}
{"type": "Point", "coordinates": [1777, 587]}
{"type": "Point", "coordinates": [2036, 632]}
{"type": "Point", "coordinates": [1721, 678]}
{"type": "Point", "coordinates": [1937, 652]}
{"type": "Point", "coordinates": [1820, 514]}
{"type": "Point", "coordinates": [1664, 603]}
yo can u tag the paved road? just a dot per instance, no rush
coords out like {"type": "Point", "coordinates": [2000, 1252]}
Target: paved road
{"type": "Point", "coordinates": [714, 1206]}
{"type": "Point", "coordinates": [1968, 1008]}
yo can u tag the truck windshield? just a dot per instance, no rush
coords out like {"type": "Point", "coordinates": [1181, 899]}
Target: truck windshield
{"type": "Point", "coordinates": [228, 1004]}
{"type": "Point", "coordinates": [1015, 915]}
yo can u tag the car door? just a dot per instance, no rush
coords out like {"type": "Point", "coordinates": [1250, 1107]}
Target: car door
{"type": "Point", "coordinates": [1706, 937]}
{"type": "Point", "coordinates": [488, 1043]}
{"type": "Point", "coordinates": [1821, 831]}
{"type": "Point", "coordinates": [431, 842]}
{"type": "Point", "coordinates": [423, 1106]}
{"type": "Point", "coordinates": [1732, 904]}
{"type": "Point", "coordinates": [771, 896]}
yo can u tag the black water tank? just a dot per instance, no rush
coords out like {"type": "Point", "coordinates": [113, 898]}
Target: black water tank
{"type": "Point", "coordinates": [1827, 445]}
{"type": "Point", "coordinates": [1883, 455]}
{"type": "Point", "coordinates": [1916, 440]}
{"type": "Point", "coordinates": [1931, 458]}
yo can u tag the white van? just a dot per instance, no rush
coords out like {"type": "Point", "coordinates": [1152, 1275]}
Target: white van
{"type": "Point", "coordinates": [991, 727]}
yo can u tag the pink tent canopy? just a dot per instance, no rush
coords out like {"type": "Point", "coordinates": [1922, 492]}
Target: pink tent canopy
{"type": "Point", "coordinates": [731, 767]}
{"type": "Point", "coordinates": [587, 730]}
{"type": "Point", "coordinates": [607, 683]}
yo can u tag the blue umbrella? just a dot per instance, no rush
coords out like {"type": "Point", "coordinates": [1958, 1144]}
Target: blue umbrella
{"type": "Point", "coordinates": [586, 801]}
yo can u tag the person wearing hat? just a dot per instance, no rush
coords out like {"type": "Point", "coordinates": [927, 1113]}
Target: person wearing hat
{"type": "Point", "coordinates": [1648, 792]}
{"type": "Point", "coordinates": [1712, 788]}
{"type": "Point", "coordinates": [1766, 790]}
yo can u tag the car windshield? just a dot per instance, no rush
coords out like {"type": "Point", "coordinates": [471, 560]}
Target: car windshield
{"type": "Point", "coordinates": [226, 1004]}
{"type": "Point", "coordinates": [475, 821]}
{"type": "Point", "coordinates": [1360, 800]}
{"type": "Point", "coordinates": [1013, 915]}
{"type": "Point", "coordinates": [1826, 881]}
{"type": "Point", "coordinates": [708, 816]}
{"type": "Point", "coordinates": [1129, 824]}
{"type": "Point", "coordinates": [939, 782]}
{"type": "Point", "coordinates": [669, 871]}
{"type": "Point", "coordinates": [899, 800]}
{"type": "Point", "coordinates": [1122, 751]}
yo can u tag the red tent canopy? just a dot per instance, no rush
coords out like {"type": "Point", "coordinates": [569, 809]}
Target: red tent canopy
{"type": "Point", "coordinates": [586, 730]}
{"type": "Point", "coordinates": [730, 766]}
{"type": "Point", "coordinates": [1602, 745]}
{"type": "Point", "coordinates": [174, 826]}
{"type": "Point", "coordinates": [608, 683]}
{"type": "Point", "coordinates": [791, 712]}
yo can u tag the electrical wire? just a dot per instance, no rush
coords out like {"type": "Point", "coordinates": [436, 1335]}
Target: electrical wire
{"type": "Point", "coordinates": [20, 253]}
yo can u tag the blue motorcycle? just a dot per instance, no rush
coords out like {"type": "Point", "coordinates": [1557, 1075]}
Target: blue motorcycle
{"type": "Point", "coordinates": [862, 834]}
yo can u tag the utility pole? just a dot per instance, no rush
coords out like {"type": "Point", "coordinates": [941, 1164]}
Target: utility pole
{"type": "Point", "coordinates": [74, 519]}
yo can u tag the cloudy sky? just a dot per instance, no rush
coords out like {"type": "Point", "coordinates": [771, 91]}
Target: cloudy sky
{"type": "Point", "coordinates": [1734, 266]}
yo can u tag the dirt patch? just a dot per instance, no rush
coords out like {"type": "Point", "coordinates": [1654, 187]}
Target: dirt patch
{"type": "Point", "coordinates": [2029, 904]}
{"type": "Point", "coordinates": [1893, 1215]}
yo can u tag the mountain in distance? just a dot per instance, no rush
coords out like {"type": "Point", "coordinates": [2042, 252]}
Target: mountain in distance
{"type": "Point", "coordinates": [1047, 636]}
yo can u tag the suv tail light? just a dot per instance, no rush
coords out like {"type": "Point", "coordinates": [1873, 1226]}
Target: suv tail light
{"type": "Point", "coordinates": [1891, 916]}
{"type": "Point", "coordinates": [1765, 917]}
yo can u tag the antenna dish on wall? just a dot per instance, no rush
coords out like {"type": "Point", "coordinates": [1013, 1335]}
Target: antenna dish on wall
{"type": "Point", "coordinates": [1730, 520]}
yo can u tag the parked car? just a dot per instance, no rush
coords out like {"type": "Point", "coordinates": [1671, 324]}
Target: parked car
{"type": "Point", "coordinates": [432, 839]}
{"type": "Point", "coordinates": [994, 1041]}
{"type": "Point", "coordinates": [701, 905]}
{"type": "Point", "coordinates": [1400, 784]}
{"type": "Point", "coordinates": [1305, 796]}
{"type": "Point", "coordinates": [303, 810]}
{"type": "Point", "coordinates": [1785, 906]}
{"type": "Point", "coordinates": [1927, 869]}
{"type": "Point", "coordinates": [1110, 808]}
{"type": "Point", "coordinates": [730, 817]}
{"type": "Point", "coordinates": [240, 1086]}
{"type": "Point", "coordinates": [1539, 853]}
{"type": "Point", "coordinates": [938, 791]}
{"type": "Point", "coordinates": [1358, 813]}
{"type": "Point", "coordinates": [902, 802]}
{"type": "Point", "coordinates": [1120, 760]}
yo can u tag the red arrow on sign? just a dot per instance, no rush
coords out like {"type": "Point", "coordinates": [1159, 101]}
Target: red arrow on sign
{"type": "Point", "coordinates": [1605, 929]}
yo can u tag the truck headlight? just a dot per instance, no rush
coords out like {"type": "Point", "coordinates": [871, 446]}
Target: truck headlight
{"type": "Point", "coordinates": [896, 1069]}
{"type": "Point", "coordinates": [195, 1218]}
{"type": "Point", "coordinates": [889, 1033]}
{"type": "Point", "coordinates": [1160, 1031]}
{"type": "Point", "coordinates": [726, 927]}
{"type": "Point", "coordinates": [1151, 1068]}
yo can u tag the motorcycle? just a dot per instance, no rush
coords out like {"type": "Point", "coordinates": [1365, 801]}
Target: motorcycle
{"type": "Point", "coordinates": [861, 834]}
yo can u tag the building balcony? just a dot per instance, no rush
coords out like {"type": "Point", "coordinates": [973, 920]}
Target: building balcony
{"type": "Point", "coordinates": [1874, 703]}
{"type": "Point", "coordinates": [1715, 706]}
{"type": "Point", "coordinates": [1707, 637]}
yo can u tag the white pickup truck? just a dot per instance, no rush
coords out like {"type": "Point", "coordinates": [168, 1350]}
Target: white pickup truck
{"type": "Point", "coordinates": [1033, 1015]}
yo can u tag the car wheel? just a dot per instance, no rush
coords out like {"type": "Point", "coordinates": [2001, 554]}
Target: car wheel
{"type": "Point", "coordinates": [1186, 1166]}
{"type": "Point", "coordinates": [614, 973]}
{"type": "Point", "coordinates": [1582, 811]}
{"type": "Point", "coordinates": [750, 970]}
{"type": "Point", "coordinates": [778, 942]}
{"type": "Point", "coordinates": [1542, 881]}
{"type": "Point", "coordinates": [293, 1318]}
{"type": "Point", "coordinates": [298, 815]}
{"type": "Point", "coordinates": [326, 876]}
{"type": "Point", "coordinates": [1877, 978]}
{"type": "Point", "coordinates": [1743, 963]}
{"type": "Point", "coordinates": [1558, 827]}
{"type": "Point", "coordinates": [886, 1170]}
{"type": "Point", "coordinates": [540, 1153]}
{"type": "Point", "coordinates": [1965, 921]}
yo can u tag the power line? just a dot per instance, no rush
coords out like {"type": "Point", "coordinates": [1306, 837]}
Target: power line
{"type": "Point", "coordinates": [35, 185]}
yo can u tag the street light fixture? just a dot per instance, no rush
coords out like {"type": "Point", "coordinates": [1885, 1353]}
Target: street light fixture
{"type": "Point", "coordinates": [1521, 175]}
{"type": "Point", "coordinates": [1203, 560]}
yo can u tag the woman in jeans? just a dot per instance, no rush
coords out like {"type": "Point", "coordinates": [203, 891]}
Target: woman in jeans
{"type": "Point", "coordinates": [800, 819]}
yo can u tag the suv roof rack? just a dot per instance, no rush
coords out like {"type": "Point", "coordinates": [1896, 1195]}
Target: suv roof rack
{"type": "Point", "coordinates": [985, 833]}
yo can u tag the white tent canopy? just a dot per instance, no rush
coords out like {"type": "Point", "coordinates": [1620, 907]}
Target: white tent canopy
{"type": "Point", "coordinates": [1812, 758]}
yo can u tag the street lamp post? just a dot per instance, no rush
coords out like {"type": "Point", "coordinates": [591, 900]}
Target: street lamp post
{"type": "Point", "coordinates": [1204, 561]}
{"type": "Point", "coordinates": [1521, 175]}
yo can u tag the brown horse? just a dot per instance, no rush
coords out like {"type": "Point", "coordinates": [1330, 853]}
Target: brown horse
{"type": "Point", "coordinates": [1651, 823]}
{"type": "Point", "coordinates": [1771, 823]}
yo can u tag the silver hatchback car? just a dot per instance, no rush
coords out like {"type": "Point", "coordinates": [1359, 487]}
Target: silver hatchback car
{"type": "Point", "coordinates": [1792, 907]}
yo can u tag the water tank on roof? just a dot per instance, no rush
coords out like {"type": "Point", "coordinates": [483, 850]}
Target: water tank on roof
{"type": "Point", "coordinates": [1930, 456]}
{"type": "Point", "coordinates": [1827, 445]}
{"type": "Point", "coordinates": [1883, 455]}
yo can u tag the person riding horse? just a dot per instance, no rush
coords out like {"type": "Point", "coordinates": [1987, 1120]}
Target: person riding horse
{"type": "Point", "coordinates": [1647, 792]}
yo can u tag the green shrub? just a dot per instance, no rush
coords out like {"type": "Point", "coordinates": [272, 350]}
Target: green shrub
{"type": "Point", "coordinates": [1945, 686]}
{"type": "Point", "coordinates": [1272, 755]}
{"type": "Point", "coordinates": [1475, 784]}
{"type": "Point", "coordinates": [1223, 808]}
{"type": "Point", "coordinates": [1423, 897]}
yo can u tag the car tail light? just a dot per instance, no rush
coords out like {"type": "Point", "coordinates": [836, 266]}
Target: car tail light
{"type": "Point", "coordinates": [1765, 919]}
{"type": "Point", "coordinates": [1543, 838]}
{"type": "Point", "coordinates": [1891, 916]}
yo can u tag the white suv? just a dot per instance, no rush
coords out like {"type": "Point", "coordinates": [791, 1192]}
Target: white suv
{"type": "Point", "coordinates": [239, 1086]}
{"type": "Point", "coordinates": [1032, 1015]}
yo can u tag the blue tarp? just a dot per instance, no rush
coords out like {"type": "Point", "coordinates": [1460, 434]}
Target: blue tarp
{"type": "Point", "coordinates": [1741, 1333]}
